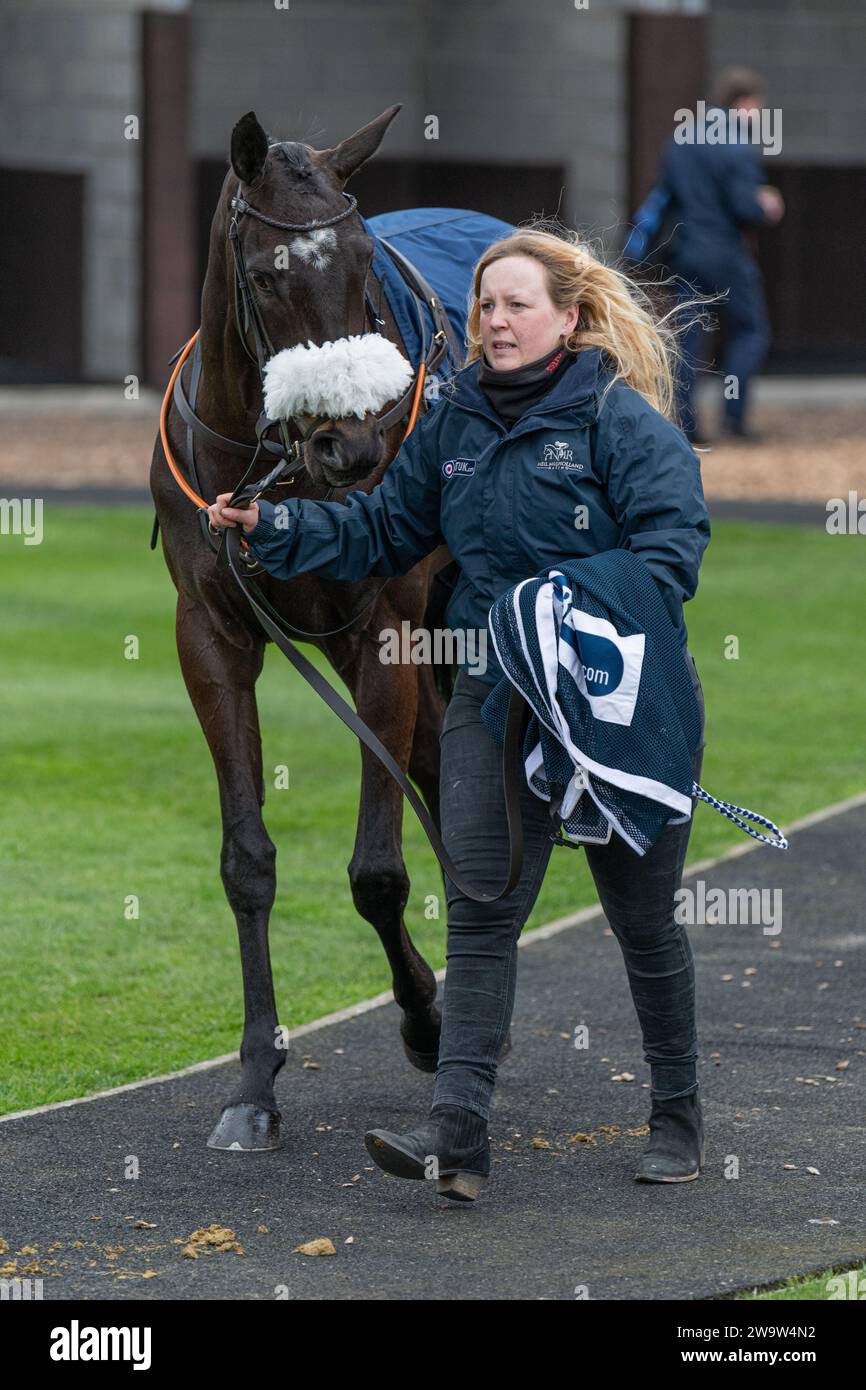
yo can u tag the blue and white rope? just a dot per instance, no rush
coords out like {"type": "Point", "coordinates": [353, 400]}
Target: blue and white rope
{"type": "Point", "coordinates": [727, 808]}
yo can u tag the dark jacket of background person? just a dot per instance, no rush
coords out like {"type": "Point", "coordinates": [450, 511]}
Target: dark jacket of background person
{"type": "Point", "coordinates": [713, 200]}
{"type": "Point", "coordinates": [505, 501]}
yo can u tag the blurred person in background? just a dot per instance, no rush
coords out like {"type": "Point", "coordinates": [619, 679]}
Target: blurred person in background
{"type": "Point", "coordinates": [713, 197]}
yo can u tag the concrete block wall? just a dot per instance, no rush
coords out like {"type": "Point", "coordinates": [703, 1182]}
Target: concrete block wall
{"type": "Point", "coordinates": [69, 75]}
{"type": "Point", "coordinates": [813, 59]}
{"type": "Point", "coordinates": [507, 80]}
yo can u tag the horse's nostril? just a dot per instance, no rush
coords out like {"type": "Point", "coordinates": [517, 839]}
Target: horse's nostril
{"type": "Point", "coordinates": [328, 449]}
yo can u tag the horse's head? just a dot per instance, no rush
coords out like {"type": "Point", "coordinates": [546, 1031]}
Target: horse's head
{"type": "Point", "coordinates": [296, 293]}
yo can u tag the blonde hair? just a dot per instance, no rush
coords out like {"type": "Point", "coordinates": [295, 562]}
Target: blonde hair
{"type": "Point", "coordinates": [616, 313]}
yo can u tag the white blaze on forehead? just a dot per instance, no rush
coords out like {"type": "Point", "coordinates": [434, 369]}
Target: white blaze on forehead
{"type": "Point", "coordinates": [315, 247]}
{"type": "Point", "coordinates": [351, 376]}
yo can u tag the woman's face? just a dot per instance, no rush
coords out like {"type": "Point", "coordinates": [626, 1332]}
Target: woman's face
{"type": "Point", "coordinates": [518, 320]}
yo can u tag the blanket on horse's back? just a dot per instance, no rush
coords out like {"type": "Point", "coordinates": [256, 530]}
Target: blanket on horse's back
{"type": "Point", "coordinates": [443, 244]}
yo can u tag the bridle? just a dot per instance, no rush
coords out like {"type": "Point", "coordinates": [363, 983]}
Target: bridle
{"type": "Point", "coordinates": [243, 294]}
{"type": "Point", "coordinates": [248, 315]}
{"type": "Point", "coordinates": [250, 323]}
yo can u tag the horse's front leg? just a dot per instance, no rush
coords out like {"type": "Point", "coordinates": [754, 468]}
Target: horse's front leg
{"type": "Point", "coordinates": [386, 698]}
{"type": "Point", "coordinates": [220, 676]}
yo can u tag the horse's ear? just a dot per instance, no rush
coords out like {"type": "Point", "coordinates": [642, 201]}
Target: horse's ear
{"type": "Point", "coordinates": [249, 148]}
{"type": "Point", "coordinates": [344, 159]}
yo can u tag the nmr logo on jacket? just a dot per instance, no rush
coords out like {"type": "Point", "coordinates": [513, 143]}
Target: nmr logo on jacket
{"type": "Point", "coordinates": [458, 467]}
{"type": "Point", "coordinates": [559, 454]}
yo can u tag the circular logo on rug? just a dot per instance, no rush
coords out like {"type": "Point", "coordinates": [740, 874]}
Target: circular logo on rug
{"type": "Point", "coordinates": [601, 663]}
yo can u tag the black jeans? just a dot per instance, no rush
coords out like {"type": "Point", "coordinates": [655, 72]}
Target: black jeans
{"type": "Point", "coordinates": [636, 893]}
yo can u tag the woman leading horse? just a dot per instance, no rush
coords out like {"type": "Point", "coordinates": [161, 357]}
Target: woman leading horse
{"type": "Point", "coordinates": [555, 441]}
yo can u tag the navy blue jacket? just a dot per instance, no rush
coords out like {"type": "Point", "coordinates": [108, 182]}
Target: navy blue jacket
{"type": "Point", "coordinates": [572, 478]}
{"type": "Point", "coordinates": [712, 190]}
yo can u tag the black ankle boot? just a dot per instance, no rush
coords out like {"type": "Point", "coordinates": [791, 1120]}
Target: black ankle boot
{"type": "Point", "coordinates": [451, 1146]}
{"type": "Point", "coordinates": [676, 1147]}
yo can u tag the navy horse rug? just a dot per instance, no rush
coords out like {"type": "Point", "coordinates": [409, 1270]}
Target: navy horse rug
{"type": "Point", "coordinates": [444, 244]}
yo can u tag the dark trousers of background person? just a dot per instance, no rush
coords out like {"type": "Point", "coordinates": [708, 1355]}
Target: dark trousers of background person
{"type": "Point", "coordinates": [743, 315]}
{"type": "Point", "coordinates": [636, 893]}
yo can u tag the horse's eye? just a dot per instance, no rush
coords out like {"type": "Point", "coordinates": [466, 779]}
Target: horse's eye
{"type": "Point", "coordinates": [261, 282]}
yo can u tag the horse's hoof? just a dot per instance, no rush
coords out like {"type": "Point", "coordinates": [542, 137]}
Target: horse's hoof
{"type": "Point", "coordinates": [247, 1129]}
{"type": "Point", "coordinates": [423, 1061]}
{"type": "Point", "coordinates": [428, 1061]}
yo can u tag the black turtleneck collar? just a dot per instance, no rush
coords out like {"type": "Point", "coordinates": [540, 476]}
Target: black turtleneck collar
{"type": "Point", "coordinates": [511, 393]}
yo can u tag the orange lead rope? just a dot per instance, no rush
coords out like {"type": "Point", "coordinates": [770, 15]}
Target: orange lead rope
{"type": "Point", "coordinates": [181, 481]}
{"type": "Point", "coordinates": [163, 432]}
{"type": "Point", "coordinates": [422, 372]}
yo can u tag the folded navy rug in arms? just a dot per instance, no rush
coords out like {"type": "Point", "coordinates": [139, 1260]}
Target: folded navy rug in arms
{"type": "Point", "coordinates": [615, 722]}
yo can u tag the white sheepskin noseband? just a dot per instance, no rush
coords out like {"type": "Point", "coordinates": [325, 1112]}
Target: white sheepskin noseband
{"type": "Point", "coordinates": [351, 376]}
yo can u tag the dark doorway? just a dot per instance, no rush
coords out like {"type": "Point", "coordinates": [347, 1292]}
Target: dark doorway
{"type": "Point", "coordinates": [667, 69]}
{"type": "Point", "coordinates": [814, 270]}
{"type": "Point", "coordinates": [41, 293]}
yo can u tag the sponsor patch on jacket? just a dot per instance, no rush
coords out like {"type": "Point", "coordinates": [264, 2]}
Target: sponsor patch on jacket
{"type": "Point", "coordinates": [559, 454]}
{"type": "Point", "coordinates": [458, 468]}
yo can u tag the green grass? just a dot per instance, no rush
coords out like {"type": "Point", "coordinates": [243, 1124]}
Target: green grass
{"type": "Point", "coordinates": [813, 1288]}
{"type": "Point", "coordinates": [109, 791]}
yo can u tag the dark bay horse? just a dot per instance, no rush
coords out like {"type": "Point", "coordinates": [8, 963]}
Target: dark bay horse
{"type": "Point", "coordinates": [220, 643]}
